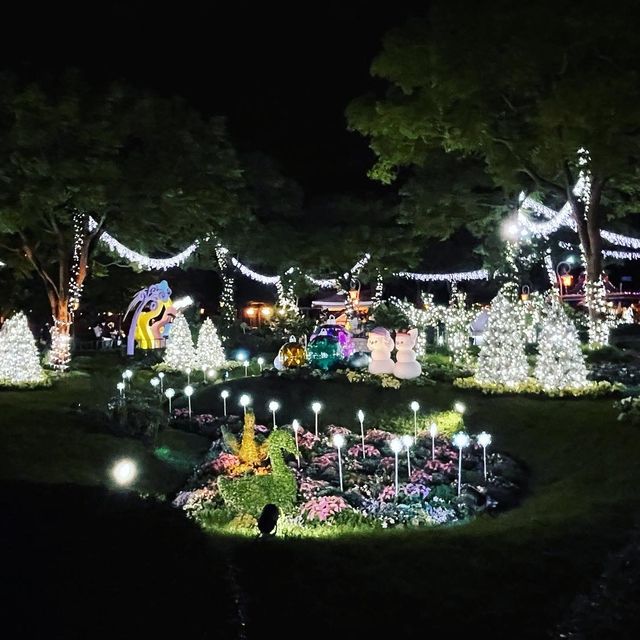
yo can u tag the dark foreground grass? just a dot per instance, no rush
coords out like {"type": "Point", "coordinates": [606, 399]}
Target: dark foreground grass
{"type": "Point", "coordinates": [511, 576]}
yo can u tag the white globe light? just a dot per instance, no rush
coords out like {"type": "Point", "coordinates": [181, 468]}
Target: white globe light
{"type": "Point", "coordinates": [161, 375]}
{"type": "Point", "coordinates": [245, 400]}
{"type": "Point", "coordinates": [433, 430]}
{"type": "Point", "coordinates": [212, 373]}
{"type": "Point", "coordinates": [484, 439]}
{"type": "Point", "coordinates": [459, 407]}
{"type": "Point", "coordinates": [124, 471]}
{"type": "Point", "coordinates": [361, 415]}
{"type": "Point", "coordinates": [396, 445]}
{"type": "Point", "coordinates": [274, 405]}
{"type": "Point", "coordinates": [315, 407]}
{"type": "Point", "coordinates": [338, 440]}
{"type": "Point", "coordinates": [295, 425]}
{"type": "Point", "coordinates": [188, 390]}
{"type": "Point", "coordinates": [154, 382]}
{"type": "Point", "coordinates": [170, 393]}
{"type": "Point", "coordinates": [242, 356]}
{"type": "Point", "coordinates": [120, 386]}
{"type": "Point", "coordinates": [407, 441]}
{"type": "Point", "coordinates": [461, 440]}
{"type": "Point", "coordinates": [127, 374]}
{"type": "Point", "coordinates": [261, 361]}
{"type": "Point", "coordinates": [414, 406]}
{"type": "Point", "coordinates": [224, 394]}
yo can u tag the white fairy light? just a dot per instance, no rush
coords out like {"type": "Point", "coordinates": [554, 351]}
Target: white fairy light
{"type": "Point", "coordinates": [19, 357]}
{"type": "Point", "coordinates": [478, 274]}
{"type": "Point", "coordinates": [209, 352]}
{"type": "Point", "coordinates": [180, 354]}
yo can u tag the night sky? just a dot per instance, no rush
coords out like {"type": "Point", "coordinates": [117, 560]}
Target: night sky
{"type": "Point", "coordinates": [283, 77]}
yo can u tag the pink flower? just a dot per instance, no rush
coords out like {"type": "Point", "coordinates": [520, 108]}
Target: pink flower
{"type": "Point", "coordinates": [224, 463]}
{"type": "Point", "coordinates": [326, 460]}
{"type": "Point", "coordinates": [388, 493]}
{"type": "Point", "coordinates": [333, 430]}
{"type": "Point", "coordinates": [377, 435]}
{"type": "Point", "coordinates": [388, 462]}
{"type": "Point", "coordinates": [323, 508]}
{"type": "Point", "coordinates": [369, 451]}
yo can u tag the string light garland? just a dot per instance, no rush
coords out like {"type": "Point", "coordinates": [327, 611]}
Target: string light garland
{"type": "Point", "coordinates": [79, 238]}
{"type": "Point", "coordinates": [478, 274]}
{"type": "Point", "coordinates": [227, 308]}
{"type": "Point", "coordinates": [60, 352]}
{"type": "Point", "coordinates": [599, 324]}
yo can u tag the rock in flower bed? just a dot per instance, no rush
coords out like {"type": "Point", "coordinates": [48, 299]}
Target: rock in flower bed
{"type": "Point", "coordinates": [426, 497]}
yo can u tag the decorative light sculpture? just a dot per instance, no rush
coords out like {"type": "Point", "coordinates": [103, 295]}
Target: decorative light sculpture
{"type": "Point", "coordinates": [170, 393]}
{"type": "Point", "coordinates": [460, 440]}
{"type": "Point", "coordinates": [484, 440]}
{"type": "Point", "coordinates": [274, 405]}
{"type": "Point", "coordinates": [338, 443]}
{"type": "Point", "coordinates": [316, 408]}
{"type": "Point", "coordinates": [127, 374]}
{"type": "Point", "coordinates": [161, 376]}
{"type": "Point", "coordinates": [396, 447]}
{"type": "Point", "coordinates": [245, 401]}
{"type": "Point", "coordinates": [224, 394]}
{"type": "Point", "coordinates": [261, 363]}
{"type": "Point", "coordinates": [120, 386]}
{"type": "Point", "coordinates": [415, 407]}
{"type": "Point", "coordinates": [188, 391]}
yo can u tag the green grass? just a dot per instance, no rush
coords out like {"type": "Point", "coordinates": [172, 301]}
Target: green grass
{"type": "Point", "coordinates": [508, 576]}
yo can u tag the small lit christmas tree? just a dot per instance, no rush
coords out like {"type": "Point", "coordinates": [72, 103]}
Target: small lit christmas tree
{"type": "Point", "coordinates": [19, 357]}
{"type": "Point", "coordinates": [560, 361]}
{"type": "Point", "coordinates": [502, 359]}
{"type": "Point", "coordinates": [209, 353]}
{"type": "Point", "coordinates": [180, 354]}
{"type": "Point", "coordinates": [457, 321]}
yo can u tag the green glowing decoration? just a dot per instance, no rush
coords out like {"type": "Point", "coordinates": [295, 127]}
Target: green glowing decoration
{"type": "Point", "coordinates": [324, 353]}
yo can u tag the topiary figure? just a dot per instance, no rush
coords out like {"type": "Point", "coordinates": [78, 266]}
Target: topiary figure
{"type": "Point", "coordinates": [250, 453]}
{"type": "Point", "coordinates": [250, 494]}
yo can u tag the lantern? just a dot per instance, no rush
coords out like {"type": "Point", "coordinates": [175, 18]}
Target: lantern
{"type": "Point", "coordinates": [292, 354]}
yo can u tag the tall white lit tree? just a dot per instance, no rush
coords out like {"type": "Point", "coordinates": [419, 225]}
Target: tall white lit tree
{"type": "Point", "coordinates": [560, 361]}
{"type": "Point", "coordinates": [180, 354]}
{"type": "Point", "coordinates": [209, 352]}
{"type": "Point", "coordinates": [502, 359]}
{"type": "Point", "coordinates": [457, 320]}
{"type": "Point", "coordinates": [19, 357]}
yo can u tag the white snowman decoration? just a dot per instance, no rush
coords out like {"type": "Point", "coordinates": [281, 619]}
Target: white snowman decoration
{"type": "Point", "coordinates": [380, 344]}
{"type": "Point", "coordinates": [406, 367]}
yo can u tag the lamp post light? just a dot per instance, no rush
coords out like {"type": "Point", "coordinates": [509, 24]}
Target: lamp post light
{"type": "Point", "coordinates": [120, 388]}
{"type": "Point", "coordinates": [274, 405]}
{"type": "Point", "coordinates": [261, 363]}
{"type": "Point", "coordinates": [295, 425]}
{"type": "Point", "coordinates": [245, 401]}
{"type": "Point", "coordinates": [396, 447]}
{"type": "Point", "coordinates": [161, 377]}
{"type": "Point", "coordinates": [155, 382]}
{"type": "Point", "coordinates": [484, 440]}
{"type": "Point", "coordinates": [170, 393]}
{"type": "Point", "coordinates": [316, 407]}
{"type": "Point", "coordinates": [460, 440]}
{"type": "Point", "coordinates": [127, 375]}
{"type": "Point", "coordinates": [361, 418]}
{"type": "Point", "coordinates": [408, 441]}
{"type": "Point", "coordinates": [433, 430]}
{"type": "Point", "coordinates": [415, 407]}
{"type": "Point", "coordinates": [188, 391]}
{"type": "Point", "coordinates": [338, 443]}
{"type": "Point", "coordinates": [224, 394]}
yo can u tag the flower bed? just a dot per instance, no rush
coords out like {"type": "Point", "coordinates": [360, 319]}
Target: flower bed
{"type": "Point", "coordinates": [428, 496]}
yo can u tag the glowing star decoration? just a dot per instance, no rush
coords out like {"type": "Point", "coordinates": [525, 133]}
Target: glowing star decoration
{"type": "Point", "coordinates": [502, 358]}
{"type": "Point", "coordinates": [209, 352]}
{"type": "Point", "coordinates": [169, 393]}
{"type": "Point", "coordinates": [180, 354]}
{"type": "Point", "coordinates": [396, 447]}
{"type": "Point", "coordinates": [484, 440]}
{"type": "Point", "coordinates": [316, 407]}
{"type": "Point", "coordinates": [292, 354]}
{"type": "Point", "coordinates": [324, 353]}
{"type": "Point", "coordinates": [274, 405]}
{"type": "Point", "coordinates": [560, 363]}
{"type": "Point", "coordinates": [188, 391]}
{"type": "Point", "coordinates": [19, 358]}
{"type": "Point", "coordinates": [338, 443]}
{"type": "Point", "coordinates": [408, 441]}
{"type": "Point", "coordinates": [224, 394]}
{"type": "Point", "coordinates": [460, 440]}
{"type": "Point", "coordinates": [245, 401]}
{"type": "Point", "coordinates": [124, 472]}
{"type": "Point", "coordinates": [415, 407]}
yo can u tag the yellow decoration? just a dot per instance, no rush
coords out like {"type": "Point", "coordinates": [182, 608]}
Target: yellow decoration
{"type": "Point", "coordinates": [292, 354]}
{"type": "Point", "coordinates": [150, 325]}
{"type": "Point", "coordinates": [251, 454]}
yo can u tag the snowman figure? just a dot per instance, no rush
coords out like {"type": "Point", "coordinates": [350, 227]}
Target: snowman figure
{"type": "Point", "coordinates": [380, 344]}
{"type": "Point", "coordinates": [406, 367]}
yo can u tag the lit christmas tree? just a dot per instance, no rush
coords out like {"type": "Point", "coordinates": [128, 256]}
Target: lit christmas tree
{"type": "Point", "coordinates": [180, 354]}
{"type": "Point", "coordinates": [502, 359]}
{"type": "Point", "coordinates": [209, 353]}
{"type": "Point", "coordinates": [560, 361]}
{"type": "Point", "coordinates": [19, 357]}
{"type": "Point", "coordinates": [457, 320]}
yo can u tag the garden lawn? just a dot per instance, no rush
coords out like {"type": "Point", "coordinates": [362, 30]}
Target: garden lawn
{"type": "Point", "coordinates": [508, 576]}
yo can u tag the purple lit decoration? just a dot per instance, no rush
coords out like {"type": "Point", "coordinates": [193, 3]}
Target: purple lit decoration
{"type": "Point", "coordinates": [334, 330]}
{"type": "Point", "coordinates": [149, 297]}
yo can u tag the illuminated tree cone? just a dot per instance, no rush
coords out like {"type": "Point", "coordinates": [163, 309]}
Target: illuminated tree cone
{"type": "Point", "coordinates": [502, 359]}
{"type": "Point", "coordinates": [560, 361]}
{"type": "Point", "coordinates": [19, 357]}
{"type": "Point", "coordinates": [180, 354]}
{"type": "Point", "coordinates": [457, 321]}
{"type": "Point", "coordinates": [209, 353]}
